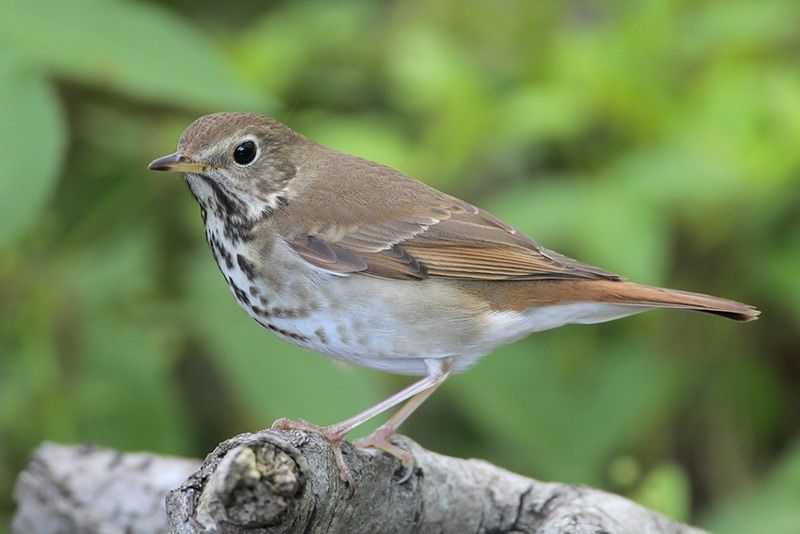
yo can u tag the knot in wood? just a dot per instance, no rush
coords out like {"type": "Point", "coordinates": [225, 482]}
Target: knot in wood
{"type": "Point", "coordinates": [259, 485]}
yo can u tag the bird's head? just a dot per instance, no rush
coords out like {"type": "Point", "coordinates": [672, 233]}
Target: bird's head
{"type": "Point", "coordinates": [237, 165]}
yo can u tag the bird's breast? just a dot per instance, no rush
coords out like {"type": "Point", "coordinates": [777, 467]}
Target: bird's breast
{"type": "Point", "coordinates": [391, 325]}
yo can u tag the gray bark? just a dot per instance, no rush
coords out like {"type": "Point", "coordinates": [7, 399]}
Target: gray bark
{"type": "Point", "coordinates": [272, 482]}
{"type": "Point", "coordinates": [89, 489]}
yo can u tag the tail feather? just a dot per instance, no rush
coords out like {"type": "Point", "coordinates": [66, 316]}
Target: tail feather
{"type": "Point", "coordinates": [514, 295]}
{"type": "Point", "coordinates": [642, 295]}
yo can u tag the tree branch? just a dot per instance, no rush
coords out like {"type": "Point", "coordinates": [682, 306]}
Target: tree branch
{"type": "Point", "coordinates": [89, 489]}
{"type": "Point", "coordinates": [288, 482]}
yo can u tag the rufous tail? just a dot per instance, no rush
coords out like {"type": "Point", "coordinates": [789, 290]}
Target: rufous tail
{"type": "Point", "coordinates": [523, 295]}
{"type": "Point", "coordinates": [659, 297]}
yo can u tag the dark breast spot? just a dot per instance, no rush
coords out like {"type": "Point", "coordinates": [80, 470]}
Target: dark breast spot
{"type": "Point", "coordinates": [285, 313]}
{"type": "Point", "coordinates": [291, 335]}
{"type": "Point", "coordinates": [247, 267]}
{"type": "Point", "coordinates": [240, 295]}
{"type": "Point", "coordinates": [220, 251]}
{"type": "Point", "coordinates": [262, 312]}
{"type": "Point", "coordinates": [321, 335]}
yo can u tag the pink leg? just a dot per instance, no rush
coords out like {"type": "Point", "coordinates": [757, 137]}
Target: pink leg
{"type": "Point", "coordinates": [380, 438]}
{"type": "Point", "coordinates": [417, 392]}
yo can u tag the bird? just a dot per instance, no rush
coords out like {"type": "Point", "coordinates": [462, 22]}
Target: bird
{"type": "Point", "coordinates": [363, 264]}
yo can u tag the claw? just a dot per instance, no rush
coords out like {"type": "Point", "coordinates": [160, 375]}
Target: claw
{"type": "Point", "coordinates": [300, 424]}
{"type": "Point", "coordinates": [378, 440]}
{"type": "Point", "coordinates": [330, 434]}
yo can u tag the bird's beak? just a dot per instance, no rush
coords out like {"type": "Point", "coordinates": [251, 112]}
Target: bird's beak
{"type": "Point", "coordinates": [176, 162]}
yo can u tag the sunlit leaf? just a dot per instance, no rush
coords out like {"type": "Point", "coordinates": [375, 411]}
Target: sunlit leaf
{"type": "Point", "coordinates": [540, 113]}
{"type": "Point", "coordinates": [666, 490]}
{"type": "Point", "coordinates": [274, 52]}
{"type": "Point", "coordinates": [724, 27]}
{"type": "Point", "coordinates": [436, 79]}
{"type": "Point", "coordinates": [132, 47]}
{"type": "Point", "coordinates": [31, 145]}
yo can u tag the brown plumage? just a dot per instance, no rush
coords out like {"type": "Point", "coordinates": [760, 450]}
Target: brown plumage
{"type": "Point", "coordinates": [389, 220]}
{"type": "Point", "coordinates": [417, 232]}
{"type": "Point", "coordinates": [523, 295]}
{"type": "Point", "coordinates": [364, 264]}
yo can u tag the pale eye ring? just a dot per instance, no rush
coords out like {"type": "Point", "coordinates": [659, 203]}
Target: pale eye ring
{"type": "Point", "coordinates": [245, 153]}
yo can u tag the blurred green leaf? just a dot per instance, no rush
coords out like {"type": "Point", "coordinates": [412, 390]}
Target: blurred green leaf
{"type": "Point", "coordinates": [780, 272]}
{"type": "Point", "coordinates": [572, 216]}
{"type": "Point", "coordinates": [369, 137]}
{"type": "Point", "coordinates": [770, 507]}
{"type": "Point", "coordinates": [132, 47]}
{"type": "Point", "coordinates": [434, 78]}
{"type": "Point", "coordinates": [738, 26]}
{"type": "Point", "coordinates": [31, 145]}
{"type": "Point", "coordinates": [275, 51]}
{"type": "Point", "coordinates": [95, 273]}
{"type": "Point", "coordinates": [35, 390]}
{"type": "Point", "coordinates": [540, 112]}
{"type": "Point", "coordinates": [129, 369]}
{"type": "Point", "coordinates": [666, 489]}
{"type": "Point", "coordinates": [559, 390]}
{"type": "Point", "coordinates": [587, 125]}
{"type": "Point", "coordinates": [738, 119]}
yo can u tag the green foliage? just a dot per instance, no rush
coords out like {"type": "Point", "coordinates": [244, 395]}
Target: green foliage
{"type": "Point", "coordinates": [770, 507]}
{"type": "Point", "coordinates": [656, 139]}
{"type": "Point", "coordinates": [31, 144]}
{"type": "Point", "coordinates": [139, 50]}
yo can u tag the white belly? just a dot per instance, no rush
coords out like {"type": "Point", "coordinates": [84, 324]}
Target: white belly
{"type": "Point", "coordinates": [358, 319]}
{"type": "Point", "coordinates": [508, 326]}
{"type": "Point", "coordinates": [390, 325]}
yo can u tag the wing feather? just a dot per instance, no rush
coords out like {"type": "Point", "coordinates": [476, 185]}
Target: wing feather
{"type": "Point", "coordinates": [395, 227]}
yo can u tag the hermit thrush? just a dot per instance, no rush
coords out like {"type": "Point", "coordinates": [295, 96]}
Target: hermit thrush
{"type": "Point", "coordinates": [357, 261]}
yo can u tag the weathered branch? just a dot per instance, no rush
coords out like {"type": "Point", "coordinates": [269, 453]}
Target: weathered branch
{"type": "Point", "coordinates": [89, 489]}
{"type": "Point", "coordinates": [288, 482]}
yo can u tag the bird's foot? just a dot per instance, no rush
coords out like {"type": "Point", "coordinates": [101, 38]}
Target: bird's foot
{"type": "Point", "coordinates": [333, 435]}
{"type": "Point", "coordinates": [380, 440]}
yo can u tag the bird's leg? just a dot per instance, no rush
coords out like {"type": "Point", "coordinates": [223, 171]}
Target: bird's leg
{"type": "Point", "coordinates": [333, 435]}
{"type": "Point", "coordinates": [380, 438]}
{"type": "Point", "coordinates": [438, 370]}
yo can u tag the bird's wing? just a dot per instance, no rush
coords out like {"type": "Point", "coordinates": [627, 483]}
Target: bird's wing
{"type": "Point", "coordinates": [414, 232]}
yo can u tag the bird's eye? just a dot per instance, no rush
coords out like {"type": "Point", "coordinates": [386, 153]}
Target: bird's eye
{"type": "Point", "coordinates": [245, 153]}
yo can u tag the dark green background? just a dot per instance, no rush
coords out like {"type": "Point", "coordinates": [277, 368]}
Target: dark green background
{"type": "Point", "coordinates": [656, 139]}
